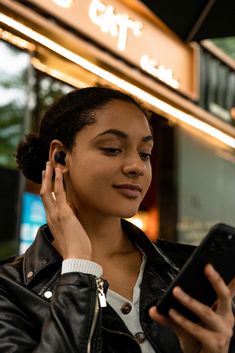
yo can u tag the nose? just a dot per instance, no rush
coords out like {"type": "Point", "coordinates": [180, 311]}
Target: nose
{"type": "Point", "coordinates": [134, 169]}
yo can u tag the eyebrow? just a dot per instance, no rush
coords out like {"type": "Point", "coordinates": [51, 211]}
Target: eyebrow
{"type": "Point", "coordinates": [122, 135]}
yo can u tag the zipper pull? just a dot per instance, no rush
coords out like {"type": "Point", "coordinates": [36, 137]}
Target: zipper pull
{"type": "Point", "coordinates": [101, 295]}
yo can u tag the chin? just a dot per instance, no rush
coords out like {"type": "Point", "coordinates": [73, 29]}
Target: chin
{"type": "Point", "coordinates": [122, 210]}
{"type": "Point", "coordinates": [128, 213]}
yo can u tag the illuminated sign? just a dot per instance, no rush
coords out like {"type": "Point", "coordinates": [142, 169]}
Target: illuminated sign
{"type": "Point", "coordinates": [117, 25]}
{"type": "Point", "coordinates": [131, 35]}
{"type": "Point", "coordinates": [159, 71]}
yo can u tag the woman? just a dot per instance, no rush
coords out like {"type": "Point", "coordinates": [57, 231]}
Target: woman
{"type": "Point", "coordinates": [90, 281]}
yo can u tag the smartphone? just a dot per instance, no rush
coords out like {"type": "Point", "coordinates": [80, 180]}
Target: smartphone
{"type": "Point", "coordinates": [218, 249]}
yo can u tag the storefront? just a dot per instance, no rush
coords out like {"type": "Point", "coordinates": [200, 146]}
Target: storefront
{"type": "Point", "coordinates": [77, 43]}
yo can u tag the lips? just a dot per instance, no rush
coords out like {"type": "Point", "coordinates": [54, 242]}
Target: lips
{"type": "Point", "coordinates": [129, 190]}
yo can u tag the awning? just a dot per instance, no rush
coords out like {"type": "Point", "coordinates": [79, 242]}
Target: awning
{"type": "Point", "coordinates": [195, 20]}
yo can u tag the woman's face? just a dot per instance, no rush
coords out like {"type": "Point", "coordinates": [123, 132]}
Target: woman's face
{"type": "Point", "coordinates": [109, 167]}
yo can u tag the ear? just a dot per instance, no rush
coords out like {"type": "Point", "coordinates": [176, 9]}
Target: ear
{"type": "Point", "coordinates": [57, 155]}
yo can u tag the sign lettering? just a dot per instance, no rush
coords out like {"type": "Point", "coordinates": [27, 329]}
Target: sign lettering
{"type": "Point", "coordinates": [117, 25]}
{"type": "Point", "coordinates": [159, 71]}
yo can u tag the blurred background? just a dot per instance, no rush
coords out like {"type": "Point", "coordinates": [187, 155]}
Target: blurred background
{"type": "Point", "coordinates": [176, 59]}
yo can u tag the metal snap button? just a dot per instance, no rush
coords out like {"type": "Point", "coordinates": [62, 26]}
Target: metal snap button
{"type": "Point", "coordinates": [48, 294]}
{"type": "Point", "coordinates": [126, 308]}
{"type": "Point", "coordinates": [29, 274]}
{"type": "Point", "coordinates": [140, 336]}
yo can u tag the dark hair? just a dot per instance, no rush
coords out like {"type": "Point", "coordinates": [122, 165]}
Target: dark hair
{"type": "Point", "coordinates": [62, 121]}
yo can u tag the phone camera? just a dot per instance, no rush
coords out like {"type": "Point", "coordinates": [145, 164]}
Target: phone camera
{"type": "Point", "coordinates": [225, 243]}
{"type": "Point", "coordinates": [222, 244]}
{"type": "Point", "coordinates": [212, 247]}
{"type": "Point", "coordinates": [230, 237]}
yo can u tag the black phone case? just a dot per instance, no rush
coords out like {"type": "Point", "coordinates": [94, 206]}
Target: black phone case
{"type": "Point", "coordinates": [218, 249]}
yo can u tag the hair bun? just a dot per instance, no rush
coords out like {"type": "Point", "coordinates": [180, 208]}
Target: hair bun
{"type": "Point", "coordinates": [31, 157]}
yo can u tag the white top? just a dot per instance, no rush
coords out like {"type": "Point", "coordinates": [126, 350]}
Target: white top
{"type": "Point", "coordinates": [117, 301]}
{"type": "Point", "coordinates": [131, 319]}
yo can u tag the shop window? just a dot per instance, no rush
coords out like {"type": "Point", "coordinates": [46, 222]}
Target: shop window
{"type": "Point", "coordinates": [205, 186]}
{"type": "Point", "coordinates": [217, 86]}
{"type": "Point", "coordinates": [13, 105]}
{"type": "Point", "coordinates": [13, 100]}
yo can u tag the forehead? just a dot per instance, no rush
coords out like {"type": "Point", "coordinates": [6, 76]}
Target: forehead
{"type": "Point", "coordinates": [122, 115]}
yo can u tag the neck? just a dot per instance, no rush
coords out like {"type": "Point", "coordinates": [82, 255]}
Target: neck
{"type": "Point", "coordinates": [106, 236]}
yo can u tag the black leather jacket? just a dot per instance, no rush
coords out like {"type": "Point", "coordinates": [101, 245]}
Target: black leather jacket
{"type": "Point", "coordinates": [70, 321]}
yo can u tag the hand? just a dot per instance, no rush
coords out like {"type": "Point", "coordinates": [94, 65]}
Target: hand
{"type": "Point", "coordinates": [70, 238]}
{"type": "Point", "coordinates": [214, 332]}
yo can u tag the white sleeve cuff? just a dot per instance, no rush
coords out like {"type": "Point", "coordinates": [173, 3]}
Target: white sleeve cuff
{"type": "Point", "coordinates": [84, 266]}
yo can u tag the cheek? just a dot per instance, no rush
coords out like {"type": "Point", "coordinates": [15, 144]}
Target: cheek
{"type": "Point", "coordinates": [147, 181]}
{"type": "Point", "coordinates": [148, 175]}
{"type": "Point", "coordinates": [91, 176]}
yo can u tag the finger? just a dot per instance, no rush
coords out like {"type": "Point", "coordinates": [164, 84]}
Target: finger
{"type": "Point", "coordinates": [202, 311]}
{"type": "Point", "coordinates": [200, 333]}
{"type": "Point", "coordinates": [64, 207]}
{"type": "Point", "coordinates": [59, 191]}
{"type": "Point", "coordinates": [222, 290]}
{"type": "Point", "coordinates": [211, 340]}
{"type": "Point", "coordinates": [161, 319]}
{"type": "Point", "coordinates": [46, 188]}
{"type": "Point", "coordinates": [164, 320]}
{"type": "Point", "coordinates": [181, 321]}
{"type": "Point", "coordinates": [47, 178]}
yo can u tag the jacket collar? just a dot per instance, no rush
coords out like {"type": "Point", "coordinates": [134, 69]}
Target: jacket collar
{"type": "Point", "coordinates": [39, 255]}
{"type": "Point", "coordinates": [42, 253]}
{"type": "Point", "coordinates": [154, 253]}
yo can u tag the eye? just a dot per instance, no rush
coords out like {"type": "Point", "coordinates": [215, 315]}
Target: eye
{"type": "Point", "coordinates": [145, 156]}
{"type": "Point", "coordinates": [111, 151]}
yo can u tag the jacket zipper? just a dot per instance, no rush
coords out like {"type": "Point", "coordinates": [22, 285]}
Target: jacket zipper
{"type": "Point", "coordinates": [101, 295]}
{"type": "Point", "coordinates": [100, 303]}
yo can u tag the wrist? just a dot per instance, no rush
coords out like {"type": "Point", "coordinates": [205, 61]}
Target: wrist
{"type": "Point", "coordinates": [85, 257]}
